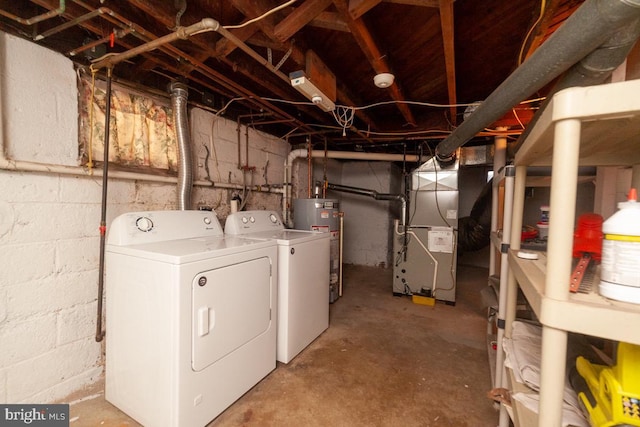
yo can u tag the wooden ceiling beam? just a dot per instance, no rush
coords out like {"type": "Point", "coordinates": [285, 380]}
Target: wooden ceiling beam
{"type": "Point", "coordinates": [446, 23]}
{"type": "Point", "coordinates": [300, 17]}
{"type": "Point", "coordinates": [378, 61]}
{"type": "Point", "coordinates": [253, 8]}
{"type": "Point", "coordinates": [357, 8]}
{"type": "Point", "coordinates": [224, 47]}
{"type": "Point", "coordinates": [539, 34]}
{"type": "Point", "coordinates": [330, 21]}
{"type": "Point", "coordinates": [423, 3]}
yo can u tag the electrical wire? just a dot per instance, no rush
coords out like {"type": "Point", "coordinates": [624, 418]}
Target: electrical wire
{"type": "Point", "coordinates": [543, 5]}
{"type": "Point", "coordinates": [264, 15]}
{"type": "Point", "coordinates": [231, 101]}
{"type": "Point", "coordinates": [517, 118]}
{"type": "Point", "coordinates": [344, 117]}
{"type": "Point", "coordinates": [423, 104]}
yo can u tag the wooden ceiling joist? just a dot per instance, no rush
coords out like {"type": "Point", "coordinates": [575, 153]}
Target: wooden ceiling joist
{"type": "Point", "coordinates": [446, 22]}
{"type": "Point", "coordinates": [301, 16]}
{"type": "Point", "coordinates": [378, 61]}
{"type": "Point", "coordinates": [357, 8]}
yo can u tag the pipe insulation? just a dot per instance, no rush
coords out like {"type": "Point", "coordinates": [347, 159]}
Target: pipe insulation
{"type": "Point", "coordinates": [593, 69]}
{"type": "Point", "coordinates": [591, 25]}
{"type": "Point", "coordinates": [179, 94]}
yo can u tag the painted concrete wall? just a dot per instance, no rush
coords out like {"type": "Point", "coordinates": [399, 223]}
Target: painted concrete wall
{"type": "Point", "coordinates": [368, 222]}
{"type": "Point", "coordinates": [49, 240]}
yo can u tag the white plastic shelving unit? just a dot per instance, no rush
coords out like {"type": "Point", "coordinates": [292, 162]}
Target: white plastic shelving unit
{"type": "Point", "coordinates": [590, 126]}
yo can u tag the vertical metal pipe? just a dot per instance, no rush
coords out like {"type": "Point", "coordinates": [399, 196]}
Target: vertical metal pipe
{"type": "Point", "coordinates": [103, 217]}
{"type": "Point", "coordinates": [246, 148]}
{"type": "Point", "coordinates": [239, 145]}
{"type": "Point", "coordinates": [309, 173]}
{"type": "Point", "coordinates": [499, 161]}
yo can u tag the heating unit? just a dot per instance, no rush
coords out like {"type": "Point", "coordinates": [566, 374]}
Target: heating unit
{"type": "Point", "coordinates": [425, 257]}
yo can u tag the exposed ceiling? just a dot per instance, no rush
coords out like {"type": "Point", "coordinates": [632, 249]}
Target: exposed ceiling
{"type": "Point", "coordinates": [444, 54]}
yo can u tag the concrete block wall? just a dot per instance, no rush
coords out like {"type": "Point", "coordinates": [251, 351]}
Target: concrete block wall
{"type": "Point", "coordinates": [368, 223]}
{"type": "Point", "coordinates": [49, 239]}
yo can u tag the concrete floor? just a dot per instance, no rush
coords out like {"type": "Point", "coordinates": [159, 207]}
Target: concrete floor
{"type": "Point", "coordinates": [384, 361]}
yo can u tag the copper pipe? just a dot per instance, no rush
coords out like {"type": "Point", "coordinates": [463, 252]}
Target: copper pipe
{"type": "Point", "coordinates": [206, 71]}
{"type": "Point", "coordinates": [34, 20]}
{"type": "Point", "coordinates": [324, 177]}
{"type": "Point", "coordinates": [67, 25]}
{"type": "Point", "coordinates": [272, 122]}
{"type": "Point", "coordinates": [182, 33]}
{"type": "Point", "coordinates": [118, 34]}
{"type": "Point", "coordinates": [309, 157]}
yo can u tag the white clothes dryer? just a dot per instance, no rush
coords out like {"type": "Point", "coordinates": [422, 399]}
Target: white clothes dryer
{"type": "Point", "coordinates": [190, 316]}
{"type": "Point", "coordinates": [303, 277]}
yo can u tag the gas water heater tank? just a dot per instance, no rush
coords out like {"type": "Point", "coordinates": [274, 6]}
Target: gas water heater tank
{"type": "Point", "coordinates": [322, 215]}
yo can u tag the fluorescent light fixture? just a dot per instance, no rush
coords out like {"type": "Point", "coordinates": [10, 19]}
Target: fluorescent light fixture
{"type": "Point", "coordinates": [308, 89]}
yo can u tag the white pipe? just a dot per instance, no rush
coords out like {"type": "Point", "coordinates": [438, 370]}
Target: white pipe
{"type": "Point", "coordinates": [27, 166]}
{"type": "Point", "coordinates": [344, 155]}
{"type": "Point", "coordinates": [435, 261]}
{"type": "Point", "coordinates": [499, 161]}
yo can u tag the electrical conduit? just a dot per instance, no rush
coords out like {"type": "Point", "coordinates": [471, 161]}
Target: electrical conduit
{"type": "Point", "coordinates": [103, 216]}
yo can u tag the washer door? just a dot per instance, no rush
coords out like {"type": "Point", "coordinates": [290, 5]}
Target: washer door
{"type": "Point", "coordinates": [231, 306]}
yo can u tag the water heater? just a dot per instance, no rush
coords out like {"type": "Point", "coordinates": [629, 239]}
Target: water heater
{"type": "Point", "coordinates": [322, 215]}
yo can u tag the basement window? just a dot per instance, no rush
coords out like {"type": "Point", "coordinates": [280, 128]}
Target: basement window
{"type": "Point", "coordinates": [142, 133]}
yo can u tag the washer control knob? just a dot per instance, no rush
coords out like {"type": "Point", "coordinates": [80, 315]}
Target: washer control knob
{"type": "Point", "coordinates": [207, 220]}
{"type": "Point", "coordinates": [273, 218]}
{"type": "Point", "coordinates": [252, 219]}
{"type": "Point", "coordinates": [144, 224]}
{"type": "Point", "coordinates": [244, 220]}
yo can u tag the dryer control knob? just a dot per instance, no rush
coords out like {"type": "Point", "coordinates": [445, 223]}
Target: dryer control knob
{"type": "Point", "coordinates": [252, 219]}
{"type": "Point", "coordinates": [144, 224]}
{"type": "Point", "coordinates": [244, 220]}
{"type": "Point", "coordinates": [273, 218]}
{"type": "Point", "coordinates": [207, 220]}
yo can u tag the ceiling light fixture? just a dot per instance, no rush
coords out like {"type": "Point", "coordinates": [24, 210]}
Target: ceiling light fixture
{"type": "Point", "coordinates": [303, 85]}
{"type": "Point", "coordinates": [383, 80]}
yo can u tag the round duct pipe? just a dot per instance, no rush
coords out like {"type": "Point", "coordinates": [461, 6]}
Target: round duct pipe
{"type": "Point", "coordinates": [179, 94]}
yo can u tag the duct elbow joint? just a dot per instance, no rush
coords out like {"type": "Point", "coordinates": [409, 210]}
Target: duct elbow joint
{"type": "Point", "coordinates": [445, 158]}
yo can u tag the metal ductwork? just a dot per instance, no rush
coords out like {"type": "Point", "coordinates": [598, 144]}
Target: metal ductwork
{"type": "Point", "coordinates": [374, 194]}
{"type": "Point", "coordinates": [179, 94]}
{"type": "Point", "coordinates": [592, 25]}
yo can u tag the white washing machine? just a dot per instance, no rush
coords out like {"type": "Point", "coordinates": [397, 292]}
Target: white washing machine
{"type": "Point", "coordinates": [190, 316]}
{"type": "Point", "coordinates": [303, 277]}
